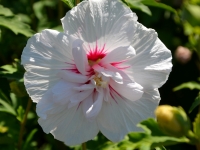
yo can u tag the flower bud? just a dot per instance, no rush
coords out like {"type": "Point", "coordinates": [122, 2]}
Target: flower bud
{"type": "Point", "coordinates": [173, 120]}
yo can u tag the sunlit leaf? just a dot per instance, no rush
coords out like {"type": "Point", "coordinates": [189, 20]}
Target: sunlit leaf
{"type": "Point", "coordinates": [108, 146]}
{"type": "Point", "coordinates": [5, 11]}
{"type": "Point", "coordinates": [8, 107]}
{"type": "Point", "coordinates": [158, 4]}
{"type": "Point", "coordinates": [8, 69]}
{"type": "Point", "coordinates": [16, 25]}
{"type": "Point", "coordinates": [196, 126]}
{"type": "Point", "coordinates": [160, 148]}
{"type": "Point", "coordinates": [20, 113]}
{"type": "Point", "coordinates": [137, 4]}
{"type": "Point", "coordinates": [69, 3]}
{"type": "Point", "coordinates": [191, 13]}
{"type": "Point", "coordinates": [3, 129]}
{"type": "Point", "coordinates": [142, 5]}
{"type": "Point", "coordinates": [195, 103]}
{"type": "Point", "coordinates": [12, 71]}
{"type": "Point", "coordinates": [188, 85]}
{"type": "Point", "coordinates": [153, 137]}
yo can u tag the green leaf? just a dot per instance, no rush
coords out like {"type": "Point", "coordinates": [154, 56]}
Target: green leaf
{"type": "Point", "coordinates": [125, 145]}
{"type": "Point", "coordinates": [142, 5]}
{"type": "Point", "coordinates": [69, 3]}
{"type": "Point", "coordinates": [153, 137]}
{"type": "Point", "coordinates": [29, 139]}
{"type": "Point", "coordinates": [195, 103]}
{"type": "Point", "coordinates": [8, 107]}
{"type": "Point", "coordinates": [153, 3]}
{"type": "Point", "coordinates": [137, 4]}
{"type": "Point", "coordinates": [15, 25]}
{"type": "Point", "coordinates": [160, 148]}
{"type": "Point", "coordinates": [39, 10]}
{"type": "Point", "coordinates": [5, 11]}
{"type": "Point", "coordinates": [196, 126]}
{"type": "Point", "coordinates": [188, 85]}
{"type": "Point", "coordinates": [191, 14]}
{"type": "Point", "coordinates": [20, 113]}
{"type": "Point", "coordinates": [8, 69]}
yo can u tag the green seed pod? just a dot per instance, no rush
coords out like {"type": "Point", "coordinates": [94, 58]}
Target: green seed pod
{"type": "Point", "coordinates": [173, 120]}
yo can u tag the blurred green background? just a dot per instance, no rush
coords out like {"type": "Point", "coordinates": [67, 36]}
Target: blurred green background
{"type": "Point", "coordinates": [177, 24]}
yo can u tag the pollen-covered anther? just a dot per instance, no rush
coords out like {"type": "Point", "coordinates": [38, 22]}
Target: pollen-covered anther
{"type": "Point", "coordinates": [99, 81]}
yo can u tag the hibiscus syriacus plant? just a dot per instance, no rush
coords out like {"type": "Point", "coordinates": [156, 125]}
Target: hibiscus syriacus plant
{"type": "Point", "coordinates": [101, 74]}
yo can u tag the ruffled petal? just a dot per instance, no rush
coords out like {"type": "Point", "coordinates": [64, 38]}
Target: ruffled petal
{"type": "Point", "coordinates": [119, 54]}
{"type": "Point", "coordinates": [107, 73]}
{"type": "Point", "coordinates": [103, 24]}
{"type": "Point", "coordinates": [49, 49]}
{"type": "Point", "coordinates": [152, 64]}
{"type": "Point", "coordinates": [59, 94]}
{"type": "Point", "coordinates": [118, 118]}
{"type": "Point", "coordinates": [43, 57]}
{"type": "Point", "coordinates": [79, 97]}
{"type": "Point", "coordinates": [80, 57]}
{"type": "Point", "coordinates": [70, 76]}
{"type": "Point", "coordinates": [129, 90]}
{"type": "Point", "coordinates": [69, 125]}
{"type": "Point", "coordinates": [91, 106]}
{"type": "Point", "coordinates": [39, 80]}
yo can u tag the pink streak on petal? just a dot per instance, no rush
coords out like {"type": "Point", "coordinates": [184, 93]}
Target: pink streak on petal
{"type": "Point", "coordinates": [78, 106]}
{"type": "Point", "coordinates": [117, 65]}
{"type": "Point", "coordinates": [73, 68]}
{"type": "Point", "coordinates": [96, 53]}
{"type": "Point", "coordinates": [113, 90]}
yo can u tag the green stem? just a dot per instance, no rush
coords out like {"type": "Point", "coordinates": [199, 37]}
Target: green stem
{"type": "Point", "coordinates": [192, 137]}
{"type": "Point", "coordinates": [23, 123]}
{"type": "Point", "coordinates": [84, 146]}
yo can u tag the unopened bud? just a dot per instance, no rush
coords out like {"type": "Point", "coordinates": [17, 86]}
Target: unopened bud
{"type": "Point", "coordinates": [173, 120]}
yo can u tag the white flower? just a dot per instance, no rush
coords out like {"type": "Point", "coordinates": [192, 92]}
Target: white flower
{"type": "Point", "coordinates": [101, 74]}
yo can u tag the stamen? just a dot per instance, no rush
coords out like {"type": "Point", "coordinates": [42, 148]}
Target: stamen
{"type": "Point", "coordinates": [99, 82]}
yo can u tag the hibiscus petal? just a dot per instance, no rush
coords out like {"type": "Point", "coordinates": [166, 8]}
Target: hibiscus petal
{"type": "Point", "coordinates": [107, 96]}
{"type": "Point", "coordinates": [119, 54]}
{"type": "Point", "coordinates": [70, 76]}
{"type": "Point", "coordinates": [152, 64]}
{"type": "Point", "coordinates": [80, 57]}
{"type": "Point", "coordinates": [78, 97]}
{"type": "Point", "coordinates": [44, 55]}
{"type": "Point", "coordinates": [130, 90]}
{"type": "Point", "coordinates": [59, 94]}
{"type": "Point", "coordinates": [48, 49]}
{"type": "Point", "coordinates": [119, 117]}
{"type": "Point", "coordinates": [84, 87]}
{"type": "Point", "coordinates": [67, 125]}
{"type": "Point", "coordinates": [39, 80]}
{"type": "Point", "coordinates": [116, 76]}
{"type": "Point", "coordinates": [98, 22]}
{"type": "Point", "coordinates": [92, 108]}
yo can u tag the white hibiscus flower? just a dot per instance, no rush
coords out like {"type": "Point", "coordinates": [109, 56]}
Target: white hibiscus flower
{"type": "Point", "coordinates": [101, 74]}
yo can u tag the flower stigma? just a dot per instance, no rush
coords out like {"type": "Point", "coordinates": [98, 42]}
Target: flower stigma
{"type": "Point", "coordinates": [99, 82]}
